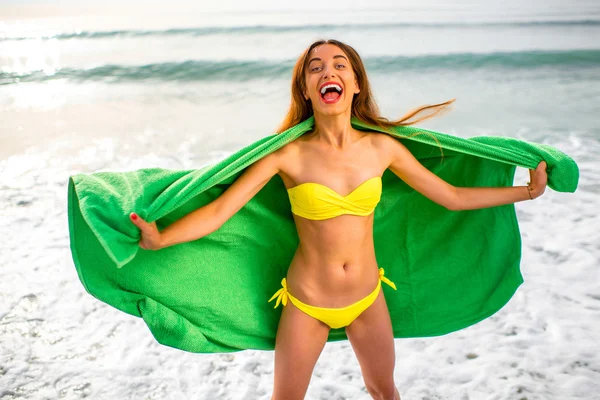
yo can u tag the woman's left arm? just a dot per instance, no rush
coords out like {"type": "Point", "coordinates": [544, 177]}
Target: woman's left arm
{"type": "Point", "coordinates": [410, 170]}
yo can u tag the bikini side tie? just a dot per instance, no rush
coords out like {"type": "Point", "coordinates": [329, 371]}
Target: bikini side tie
{"type": "Point", "coordinates": [386, 280]}
{"type": "Point", "coordinates": [281, 294]}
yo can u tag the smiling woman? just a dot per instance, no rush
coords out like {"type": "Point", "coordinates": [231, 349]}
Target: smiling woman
{"type": "Point", "coordinates": [334, 280]}
{"type": "Point", "coordinates": [365, 194]}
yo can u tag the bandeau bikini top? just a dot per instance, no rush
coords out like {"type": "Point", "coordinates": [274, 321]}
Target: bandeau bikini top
{"type": "Point", "coordinates": [315, 201]}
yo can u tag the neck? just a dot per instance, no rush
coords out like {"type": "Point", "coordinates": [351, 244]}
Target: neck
{"type": "Point", "coordinates": [334, 130]}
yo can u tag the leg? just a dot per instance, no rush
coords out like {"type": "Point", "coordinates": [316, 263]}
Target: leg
{"type": "Point", "coordinates": [372, 339]}
{"type": "Point", "coordinates": [299, 342]}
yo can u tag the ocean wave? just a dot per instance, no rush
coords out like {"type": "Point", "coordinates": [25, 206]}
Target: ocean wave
{"type": "Point", "coordinates": [240, 70]}
{"type": "Point", "coordinates": [274, 29]}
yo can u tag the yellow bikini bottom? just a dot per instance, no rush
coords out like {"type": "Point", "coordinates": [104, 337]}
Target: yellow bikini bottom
{"type": "Point", "coordinates": [334, 317]}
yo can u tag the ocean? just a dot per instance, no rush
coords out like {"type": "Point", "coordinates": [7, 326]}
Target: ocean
{"type": "Point", "coordinates": [118, 86]}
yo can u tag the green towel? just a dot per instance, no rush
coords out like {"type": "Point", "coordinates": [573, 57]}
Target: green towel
{"type": "Point", "coordinates": [452, 268]}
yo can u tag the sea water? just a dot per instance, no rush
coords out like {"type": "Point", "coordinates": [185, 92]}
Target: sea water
{"type": "Point", "coordinates": [95, 86]}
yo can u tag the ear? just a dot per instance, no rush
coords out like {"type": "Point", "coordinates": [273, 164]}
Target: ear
{"type": "Point", "coordinates": [357, 90]}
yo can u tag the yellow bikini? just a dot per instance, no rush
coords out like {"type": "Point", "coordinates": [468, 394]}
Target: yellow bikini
{"type": "Point", "coordinates": [334, 317]}
{"type": "Point", "coordinates": [315, 201]}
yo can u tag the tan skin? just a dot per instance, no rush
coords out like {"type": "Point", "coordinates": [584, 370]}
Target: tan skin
{"type": "Point", "coordinates": [334, 264]}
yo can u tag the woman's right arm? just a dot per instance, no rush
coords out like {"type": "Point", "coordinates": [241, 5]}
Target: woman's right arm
{"type": "Point", "coordinates": [210, 217]}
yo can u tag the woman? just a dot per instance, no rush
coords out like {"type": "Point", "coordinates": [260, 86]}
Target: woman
{"type": "Point", "coordinates": [333, 176]}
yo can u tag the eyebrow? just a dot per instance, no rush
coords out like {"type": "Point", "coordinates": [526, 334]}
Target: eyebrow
{"type": "Point", "coordinates": [318, 59]}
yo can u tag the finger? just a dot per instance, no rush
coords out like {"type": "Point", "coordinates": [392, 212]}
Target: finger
{"type": "Point", "coordinates": [148, 229]}
{"type": "Point", "coordinates": [137, 220]}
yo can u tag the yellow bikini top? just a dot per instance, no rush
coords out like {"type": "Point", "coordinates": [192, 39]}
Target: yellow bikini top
{"type": "Point", "coordinates": [315, 201]}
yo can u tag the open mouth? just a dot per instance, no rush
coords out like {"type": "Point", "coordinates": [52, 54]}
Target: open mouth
{"type": "Point", "coordinates": [331, 92]}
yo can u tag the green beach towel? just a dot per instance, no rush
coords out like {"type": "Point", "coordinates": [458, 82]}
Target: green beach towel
{"type": "Point", "coordinates": [451, 268]}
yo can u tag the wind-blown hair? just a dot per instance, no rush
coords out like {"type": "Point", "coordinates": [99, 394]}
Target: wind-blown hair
{"type": "Point", "coordinates": [363, 104]}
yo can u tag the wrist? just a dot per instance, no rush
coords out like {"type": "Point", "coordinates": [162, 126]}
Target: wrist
{"type": "Point", "coordinates": [162, 241]}
{"type": "Point", "coordinates": [530, 191]}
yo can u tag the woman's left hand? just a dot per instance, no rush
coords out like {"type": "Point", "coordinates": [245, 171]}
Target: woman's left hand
{"type": "Point", "coordinates": [538, 179]}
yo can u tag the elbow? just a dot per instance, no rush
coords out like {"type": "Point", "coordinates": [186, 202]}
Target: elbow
{"type": "Point", "coordinates": [217, 217]}
{"type": "Point", "coordinates": [452, 207]}
{"type": "Point", "coordinates": [453, 201]}
{"type": "Point", "coordinates": [220, 213]}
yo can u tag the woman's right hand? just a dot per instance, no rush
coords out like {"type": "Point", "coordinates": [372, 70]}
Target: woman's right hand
{"type": "Point", "coordinates": [150, 234]}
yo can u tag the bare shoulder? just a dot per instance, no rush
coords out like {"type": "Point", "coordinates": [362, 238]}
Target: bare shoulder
{"type": "Point", "coordinates": [388, 145]}
{"type": "Point", "coordinates": [288, 150]}
{"type": "Point", "coordinates": [275, 158]}
{"type": "Point", "coordinates": [283, 162]}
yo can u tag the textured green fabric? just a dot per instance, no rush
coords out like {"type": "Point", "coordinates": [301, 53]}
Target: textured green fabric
{"type": "Point", "coordinates": [452, 268]}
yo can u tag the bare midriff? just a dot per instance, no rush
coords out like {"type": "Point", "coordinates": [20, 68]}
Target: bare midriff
{"type": "Point", "coordinates": [334, 264]}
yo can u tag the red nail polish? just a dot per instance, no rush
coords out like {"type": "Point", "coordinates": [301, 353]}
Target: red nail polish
{"type": "Point", "coordinates": [134, 216]}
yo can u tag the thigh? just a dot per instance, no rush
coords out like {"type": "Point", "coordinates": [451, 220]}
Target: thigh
{"type": "Point", "coordinates": [299, 342]}
{"type": "Point", "coordinates": [372, 339]}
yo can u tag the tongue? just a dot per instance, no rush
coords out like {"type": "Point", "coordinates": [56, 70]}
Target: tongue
{"type": "Point", "coordinates": [331, 96]}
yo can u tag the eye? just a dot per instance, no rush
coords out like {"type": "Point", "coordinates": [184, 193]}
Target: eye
{"type": "Point", "coordinates": [313, 69]}
{"type": "Point", "coordinates": [341, 65]}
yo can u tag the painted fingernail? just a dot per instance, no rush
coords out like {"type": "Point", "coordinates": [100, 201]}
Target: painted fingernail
{"type": "Point", "coordinates": [133, 216]}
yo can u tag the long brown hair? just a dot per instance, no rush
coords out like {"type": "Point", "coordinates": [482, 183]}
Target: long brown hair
{"type": "Point", "coordinates": [363, 105]}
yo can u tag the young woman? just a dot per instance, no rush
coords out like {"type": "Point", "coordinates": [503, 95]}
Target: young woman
{"type": "Point", "coordinates": [333, 176]}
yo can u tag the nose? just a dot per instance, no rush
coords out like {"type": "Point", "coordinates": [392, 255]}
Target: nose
{"type": "Point", "coordinates": [328, 72]}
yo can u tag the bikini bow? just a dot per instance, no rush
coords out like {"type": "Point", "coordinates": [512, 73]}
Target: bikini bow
{"type": "Point", "coordinates": [386, 280]}
{"type": "Point", "coordinates": [281, 294]}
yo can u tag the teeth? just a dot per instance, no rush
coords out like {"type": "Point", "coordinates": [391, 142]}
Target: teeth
{"type": "Point", "coordinates": [331, 85]}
